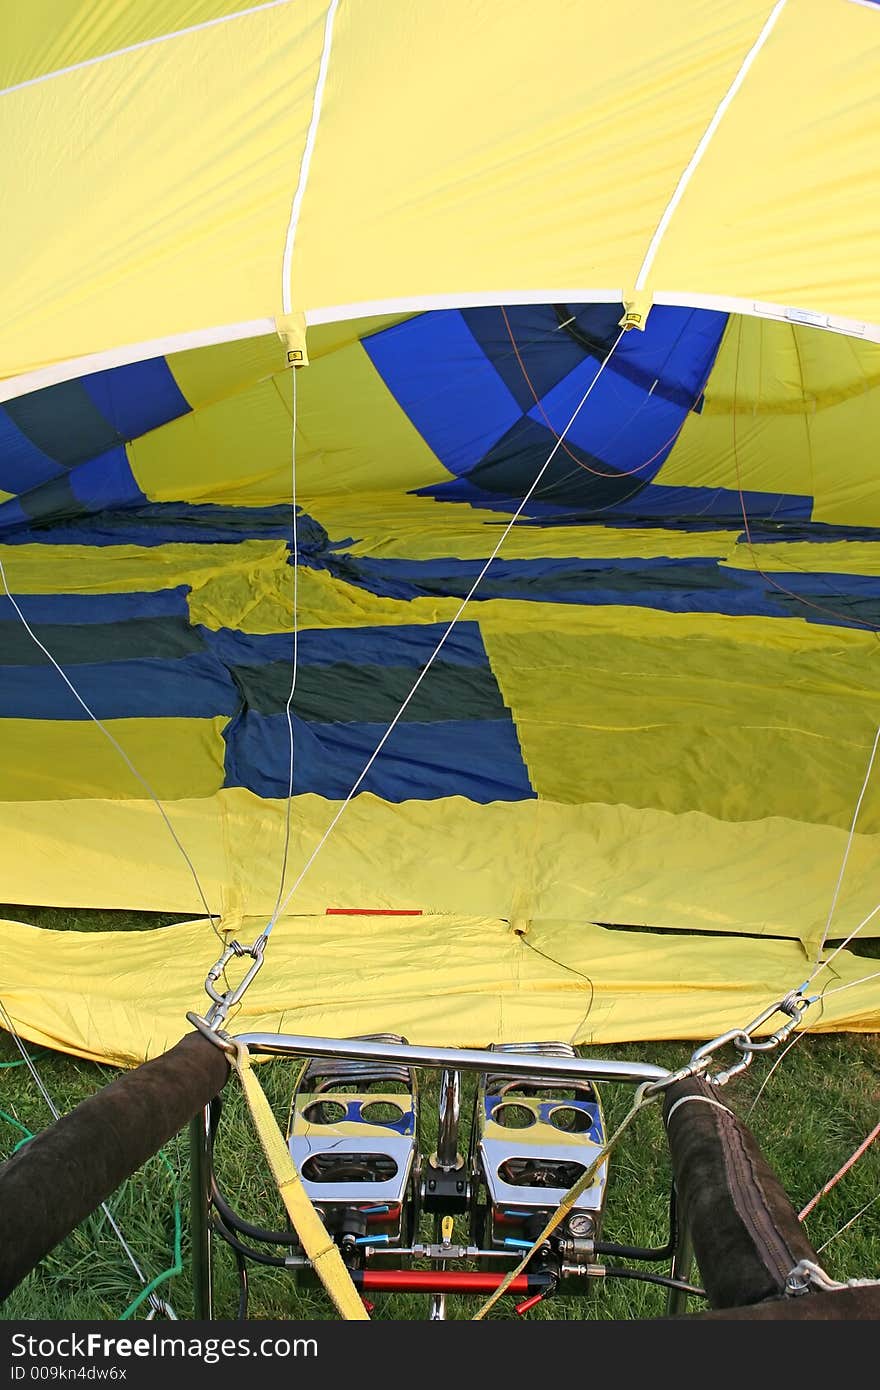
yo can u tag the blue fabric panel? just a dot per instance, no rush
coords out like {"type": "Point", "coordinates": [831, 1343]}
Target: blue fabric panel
{"type": "Point", "coordinates": [12, 515]}
{"type": "Point", "coordinates": [676, 351]}
{"type": "Point", "coordinates": [480, 760]}
{"type": "Point", "coordinates": [673, 356]}
{"type": "Point", "coordinates": [22, 464]}
{"type": "Point", "coordinates": [64, 422]}
{"type": "Point", "coordinates": [162, 523]}
{"type": "Point", "coordinates": [195, 687]}
{"type": "Point", "coordinates": [573, 479]}
{"type": "Point", "coordinates": [716, 504]}
{"type": "Point", "coordinates": [547, 354]}
{"type": "Point", "coordinates": [106, 482]}
{"type": "Point", "coordinates": [50, 501]}
{"type": "Point", "coordinates": [368, 646]}
{"type": "Point", "coordinates": [78, 609]}
{"type": "Point", "coordinates": [620, 423]}
{"type": "Point", "coordinates": [440, 376]}
{"type": "Point", "coordinates": [638, 504]}
{"type": "Point", "coordinates": [137, 397]}
{"type": "Point", "coordinates": [675, 586]}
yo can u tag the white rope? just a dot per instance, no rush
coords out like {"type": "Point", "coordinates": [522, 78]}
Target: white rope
{"type": "Point", "coordinates": [289, 705]}
{"type": "Point", "coordinates": [704, 1100]}
{"type": "Point", "coordinates": [431, 659]}
{"type": "Point", "coordinates": [159, 1305]}
{"type": "Point", "coordinates": [690, 170]}
{"type": "Point", "coordinates": [852, 984]}
{"type": "Point", "coordinates": [823, 965]}
{"type": "Point", "coordinates": [110, 739]}
{"type": "Point", "coordinates": [306, 162]}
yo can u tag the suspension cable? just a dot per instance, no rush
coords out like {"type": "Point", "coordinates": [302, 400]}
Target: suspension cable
{"type": "Point", "coordinates": [289, 705]}
{"type": "Point", "coordinates": [114, 742]}
{"type": "Point", "coordinates": [431, 659]}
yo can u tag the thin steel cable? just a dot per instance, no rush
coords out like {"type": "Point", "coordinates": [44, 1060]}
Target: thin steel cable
{"type": "Point", "coordinates": [425, 669]}
{"type": "Point", "coordinates": [289, 705]}
{"type": "Point", "coordinates": [823, 965]}
{"type": "Point", "coordinates": [847, 1224]}
{"type": "Point", "coordinates": [114, 743]}
{"type": "Point", "coordinates": [852, 984]}
{"type": "Point", "coordinates": [157, 1304]}
{"type": "Point", "coordinates": [852, 831]}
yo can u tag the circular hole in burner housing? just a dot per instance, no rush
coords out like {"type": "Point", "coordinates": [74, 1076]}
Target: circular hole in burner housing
{"type": "Point", "coordinates": [570, 1120]}
{"type": "Point", "coordinates": [381, 1112]}
{"type": "Point", "coordinates": [325, 1112]}
{"type": "Point", "coordinates": [511, 1115]}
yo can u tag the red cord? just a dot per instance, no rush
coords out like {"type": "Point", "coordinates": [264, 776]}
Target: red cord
{"type": "Point", "coordinates": [832, 1182]}
{"type": "Point", "coordinates": [587, 469]}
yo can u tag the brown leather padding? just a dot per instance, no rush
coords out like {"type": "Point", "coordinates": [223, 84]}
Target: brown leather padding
{"type": "Point", "coordinates": [746, 1235]}
{"type": "Point", "coordinates": [844, 1305]}
{"type": "Point", "coordinates": [65, 1172]}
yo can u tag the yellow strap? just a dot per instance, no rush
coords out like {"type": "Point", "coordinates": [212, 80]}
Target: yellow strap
{"type": "Point", "coordinates": [315, 1241]}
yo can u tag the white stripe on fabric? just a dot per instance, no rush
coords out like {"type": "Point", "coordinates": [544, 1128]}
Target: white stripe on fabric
{"type": "Point", "coordinates": [145, 43]}
{"type": "Point", "coordinates": [132, 352]}
{"type": "Point", "coordinates": [654, 244]}
{"type": "Point", "coordinates": [306, 162]}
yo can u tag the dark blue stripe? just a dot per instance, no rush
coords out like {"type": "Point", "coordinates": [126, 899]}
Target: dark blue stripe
{"type": "Point", "coordinates": [678, 586]}
{"type": "Point", "coordinates": [22, 464]}
{"type": "Point", "coordinates": [442, 379]}
{"type": "Point", "coordinates": [96, 608]}
{"type": "Point", "coordinates": [106, 482]}
{"type": "Point", "coordinates": [164, 523]}
{"type": "Point", "coordinates": [64, 422]}
{"type": "Point", "coordinates": [137, 397]}
{"type": "Point", "coordinates": [12, 516]}
{"type": "Point", "coordinates": [195, 687]}
{"type": "Point", "coordinates": [406, 645]}
{"type": "Point", "coordinates": [637, 504]}
{"type": "Point", "coordinates": [621, 425]}
{"type": "Point", "coordinates": [480, 760]}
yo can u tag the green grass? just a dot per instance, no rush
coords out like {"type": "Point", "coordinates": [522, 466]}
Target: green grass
{"type": "Point", "coordinates": [818, 1106]}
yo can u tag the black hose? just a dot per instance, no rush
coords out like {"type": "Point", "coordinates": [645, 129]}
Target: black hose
{"type": "Point", "coordinates": [647, 1276]}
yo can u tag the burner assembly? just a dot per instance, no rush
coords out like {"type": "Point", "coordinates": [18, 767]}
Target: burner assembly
{"type": "Point", "coordinates": [419, 1200]}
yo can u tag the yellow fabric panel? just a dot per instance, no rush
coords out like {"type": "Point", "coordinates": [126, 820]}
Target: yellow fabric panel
{"type": "Point", "coordinates": [129, 568]}
{"type": "Point", "coordinates": [42, 36]}
{"type": "Point", "coordinates": [208, 374]}
{"type": "Point", "coordinates": [790, 174]}
{"type": "Point", "coordinates": [122, 997]}
{"type": "Point", "coordinates": [237, 451]}
{"type": "Point", "coordinates": [521, 860]}
{"type": "Point", "coordinates": [787, 409]}
{"type": "Point", "coordinates": [450, 160]}
{"type": "Point", "coordinates": [238, 448]}
{"type": "Point", "coordinates": [734, 730]}
{"type": "Point", "coordinates": [352, 433]}
{"type": "Point", "coordinates": [804, 557]}
{"type": "Point", "coordinates": [842, 441]}
{"type": "Point", "coordinates": [421, 528]}
{"type": "Point", "coordinates": [176, 179]}
{"type": "Point", "coordinates": [476, 169]}
{"type": "Point", "coordinates": [71, 759]}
